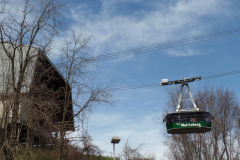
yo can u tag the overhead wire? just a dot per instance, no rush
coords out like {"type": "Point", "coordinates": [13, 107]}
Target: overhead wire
{"type": "Point", "coordinates": [192, 38]}
{"type": "Point", "coordinates": [133, 87]}
{"type": "Point", "coordinates": [222, 74]}
{"type": "Point", "coordinates": [169, 45]}
{"type": "Point", "coordinates": [163, 46]}
{"type": "Point", "coordinates": [156, 85]}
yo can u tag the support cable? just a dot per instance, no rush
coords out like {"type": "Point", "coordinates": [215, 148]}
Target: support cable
{"type": "Point", "coordinates": [163, 46]}
{"type": "Point", "coordinates": [169, 46]}
{"type": "Point", "coordinates": [156, 85]}
{"type": "Point", "coordinates": [171, 42]}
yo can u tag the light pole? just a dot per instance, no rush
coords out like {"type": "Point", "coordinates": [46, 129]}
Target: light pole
{"type": "Point", "coordinates": [115, 139]}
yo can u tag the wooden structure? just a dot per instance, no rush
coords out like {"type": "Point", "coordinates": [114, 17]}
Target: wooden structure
{"type": "Point", "coordinates": [44, 92]}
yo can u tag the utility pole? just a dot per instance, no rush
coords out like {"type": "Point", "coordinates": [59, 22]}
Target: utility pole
{"type": "Point", "coordinates": [115, 139]}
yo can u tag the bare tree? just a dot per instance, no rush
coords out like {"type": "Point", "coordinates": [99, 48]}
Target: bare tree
{"type": "Point", "coordinates": [24, 24]}
{"type": "Point", "coordinates": [76, 65]}
{"type": "Point", "coordinates": [27, 28]}
{"type": "Point", "coordinates": [131, 153]}
{"type": "Point", "coordinates": [222, 142]}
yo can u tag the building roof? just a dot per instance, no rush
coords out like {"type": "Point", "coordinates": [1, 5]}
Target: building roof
{"type": "Point", "coordinates": [19, 52]}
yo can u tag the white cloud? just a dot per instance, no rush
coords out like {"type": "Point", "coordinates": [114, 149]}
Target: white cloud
{"type": "Point", "coordinates": [137, 131]}
{"type": "Point", "coordinates": [182, 53]}
{"type": "Point", "coordinates": [114, 32]}
{"type": "Point", "coordinates": [104, 120]}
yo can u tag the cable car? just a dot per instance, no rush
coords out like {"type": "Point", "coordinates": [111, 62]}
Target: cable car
{"type": "Point", "coordinates": [189, 122]}
{"type": "Point", "coordinates": [186, 121]}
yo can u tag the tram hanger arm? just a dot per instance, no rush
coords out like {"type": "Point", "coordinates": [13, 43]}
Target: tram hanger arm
{"type": "Point", "coordinates": [181, 81]}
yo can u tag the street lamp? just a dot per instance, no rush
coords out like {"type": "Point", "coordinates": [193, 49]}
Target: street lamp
{"type": "Point", "coordinates": [115, 139]}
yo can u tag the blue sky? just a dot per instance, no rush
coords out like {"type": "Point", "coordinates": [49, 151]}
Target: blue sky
{"type": "Point", "coordinates": [128, 24]}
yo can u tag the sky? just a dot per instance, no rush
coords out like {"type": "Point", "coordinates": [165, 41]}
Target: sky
{"type": "Point", "coordinates": [120, 25]}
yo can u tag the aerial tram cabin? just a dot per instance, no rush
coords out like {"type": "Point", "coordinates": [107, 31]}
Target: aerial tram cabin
{"type": "Point", "coordinates": [186, 121]}
{"type": "Point", "coordinates": [189, 122]}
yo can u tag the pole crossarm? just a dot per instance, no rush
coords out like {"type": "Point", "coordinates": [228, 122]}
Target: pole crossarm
{"type": "Point", "coordinates": [181, 81]}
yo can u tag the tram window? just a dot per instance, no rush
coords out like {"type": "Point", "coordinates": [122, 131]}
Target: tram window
{"type": "Point", "coordinates": [184, 118]}
{"type": "Point", "coordinates": [199, 116]}
{"type": "Point", "coordinates": [192, 117]}
{"type": "Point", "coordinates": [206, 117]}
{"type": "Point", "coordinates": [169, 119]}
{"type": "Point", "coordinates": [176, 117]}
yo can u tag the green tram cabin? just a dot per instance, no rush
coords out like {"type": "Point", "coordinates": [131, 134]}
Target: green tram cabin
{"type": "Point", "coordinates": [188, 122]}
